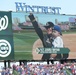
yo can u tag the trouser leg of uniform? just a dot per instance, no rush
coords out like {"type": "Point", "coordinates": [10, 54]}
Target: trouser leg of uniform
{"type": "Point", "coordinates": [59, 56]}
{"type": "Point", "coordinates": [45, 56]}
{"type": "Point", "coordinates": [65, 56]}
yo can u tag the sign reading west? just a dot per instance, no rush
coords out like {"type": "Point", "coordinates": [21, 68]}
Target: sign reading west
{"type": "Point", "coordinates": [6, 36]}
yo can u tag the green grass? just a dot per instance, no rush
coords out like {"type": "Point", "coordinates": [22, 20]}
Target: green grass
{"type": "Point", "coordinates": [23, 43]}
{"type": "Point", "coordinates": [69, 32]}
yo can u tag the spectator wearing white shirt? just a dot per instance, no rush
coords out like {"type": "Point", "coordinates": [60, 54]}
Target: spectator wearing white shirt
{"type": "Point", "coordinates": [58, 41]}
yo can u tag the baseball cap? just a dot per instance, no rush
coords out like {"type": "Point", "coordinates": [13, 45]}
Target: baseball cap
{"type": "Point", "coordinates": [49, 25]}
{"type": "Point", "coordinates": [57, 28]}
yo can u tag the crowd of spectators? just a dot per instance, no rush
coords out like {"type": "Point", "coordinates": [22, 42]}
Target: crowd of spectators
{"type": "Point", "coordinates": [41, 69]}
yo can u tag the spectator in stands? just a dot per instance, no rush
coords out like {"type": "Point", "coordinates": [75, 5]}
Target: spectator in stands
{"type": "Point", "coordinates": [58, 42]}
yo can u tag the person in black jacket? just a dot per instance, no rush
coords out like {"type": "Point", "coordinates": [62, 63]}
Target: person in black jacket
{"type": "Point", "coordinates": [45, 38]}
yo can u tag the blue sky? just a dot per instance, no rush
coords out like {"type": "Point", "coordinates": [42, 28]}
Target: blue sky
{"type": "Point", "coordinates": [67, 6]}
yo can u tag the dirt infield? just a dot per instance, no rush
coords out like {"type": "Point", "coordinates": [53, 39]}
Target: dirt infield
{"type": "Point", "coordinates": [69, 42]}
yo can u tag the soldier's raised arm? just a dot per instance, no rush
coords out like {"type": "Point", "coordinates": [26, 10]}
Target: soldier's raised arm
{"type": "Point", "coordinates": [36, 26]}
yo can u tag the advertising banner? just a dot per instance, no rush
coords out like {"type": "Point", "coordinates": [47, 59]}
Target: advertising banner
{"type": "Point", "coordinates": [6, 36]}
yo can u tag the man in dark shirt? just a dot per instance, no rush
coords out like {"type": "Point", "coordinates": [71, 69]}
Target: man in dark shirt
{"type": "Point", "coordinates": [45, 38]}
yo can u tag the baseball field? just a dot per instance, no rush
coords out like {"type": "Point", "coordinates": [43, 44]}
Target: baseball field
{"type": "Point", "coordinates": [24, 40]}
